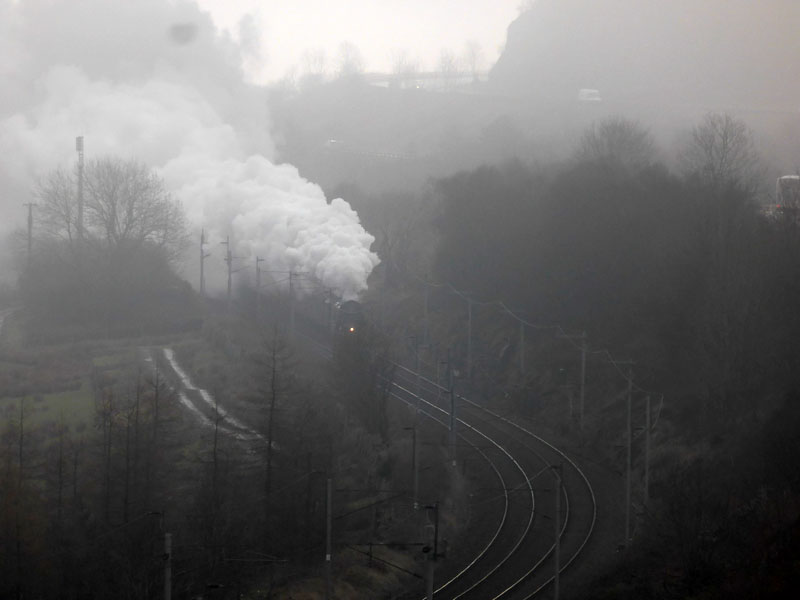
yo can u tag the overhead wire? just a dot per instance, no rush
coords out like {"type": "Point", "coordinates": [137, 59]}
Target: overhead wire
{"type": "Point", "coordinates": [560, 332]}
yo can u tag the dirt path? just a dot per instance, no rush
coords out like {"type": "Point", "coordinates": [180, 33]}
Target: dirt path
{"type": "Point", "coordinates": [200, 403]}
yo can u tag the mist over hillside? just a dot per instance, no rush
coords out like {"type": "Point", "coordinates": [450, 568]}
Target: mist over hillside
{"type": "Point", "coordinates": [732, 53]}
{"type": "Point", "coordinates": [662, 63]}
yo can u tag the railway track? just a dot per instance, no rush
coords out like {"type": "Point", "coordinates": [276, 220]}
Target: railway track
{"type": "Point", "coordinates": [521, 557]}
{"type": "Point", "coordinates": [516, 557]}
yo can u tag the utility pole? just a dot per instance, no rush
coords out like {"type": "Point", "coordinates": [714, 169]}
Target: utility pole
{"type": "Point", "coordinates": [167, 566]}
{"type": "Point", "coordinates": [79, 149]}
{"type": "Point", "coordinates": [258, 288]}
{"type": "Point", "coordinates": [418, 384]}
{"type": "Point", "coordinates": [203, 257]}
{"type": "Point", "coordinates": [629, 458]}
{"type": "Point", "coordinates": [291, 303]}
{"type": "Point", "coordinates": [414, 464]}
{"type": "Point", "coordinates": [329, 521]}
{"type": "Point", "coordinates": [583, 349]}
{"type": "Point", "coordinates": [452, 409]}
{"type": "Point", "coordinates": [469, 338]}
{"type": "Point", "coordinates": [556, 583]}
{"type": "Point", "coordinates": [229, 257]}
{"type": "Point", "coordinates": [416, 370]}
{"type": "Point", "coordinates": [229, 262]}
{"type": "Point", "coordinates": [292, 275]}
{"type": "Point", "coordinates": [647, 451]}
{"type": "Point", "coordinates": [433, 553]}
{"type": "Point", "coordinates": [583, 378]}
{"type": "Point", "coordinates": [415, 459]}
{"type": "Point", "coordinates": [426, 332]}
{"type": "Point", "coordinates": [30, 206]}
{"type": "Point", "coordinates": [438, 376]}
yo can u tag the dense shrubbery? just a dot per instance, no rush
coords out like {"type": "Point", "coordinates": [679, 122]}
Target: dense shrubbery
{"type": "Point", "coordinates": [692, 279]}
{"type": "Point", "coordinates": [686, 275]}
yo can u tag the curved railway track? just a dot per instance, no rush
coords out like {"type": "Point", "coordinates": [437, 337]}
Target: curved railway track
{"type": "Point", "coordinates": [515, 558]}
{"type": "Point", "coordinates": [519, 560]}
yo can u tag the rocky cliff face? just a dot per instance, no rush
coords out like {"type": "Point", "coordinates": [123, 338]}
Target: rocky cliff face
{"type": "Point", "coordinates": [720, 53]}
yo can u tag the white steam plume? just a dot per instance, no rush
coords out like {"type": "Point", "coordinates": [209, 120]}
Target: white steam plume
{"type": "Point", "coordinates": [153, 80]}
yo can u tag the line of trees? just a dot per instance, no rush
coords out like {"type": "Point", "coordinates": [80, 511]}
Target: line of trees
{"type": "Point", "coordinates": [685, 269]}
{"type": "Point", "coordinates": [78, 516]}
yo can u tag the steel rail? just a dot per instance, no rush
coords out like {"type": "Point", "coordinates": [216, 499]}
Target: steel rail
{"type": "Point", "coordinates": [553, 448]}
{"type": "Point", "coordinates": [577, 469]}
{"type": "Point", "coordinates": [527, 432]}
{"type": "Point", "coordinates": [489, 461]}
{"type": "Point", "coordinates": [505, 489]}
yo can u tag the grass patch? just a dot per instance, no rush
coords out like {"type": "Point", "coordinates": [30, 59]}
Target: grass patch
{"type": "Point", "coordinates": [74, 407]}
{"type": "Point", "coordinates": [122, 357]}
{"type": "Point", "coordinates": [77, 408]}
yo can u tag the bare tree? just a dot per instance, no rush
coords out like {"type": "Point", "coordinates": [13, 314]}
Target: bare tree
{"type": "Point", "coordinates": [105, 415]}
{"type": "Point", "coordinates": [399, 222]}
{"type": "Point", "coordinates": [110, 269]}
{"type": "Point", "coordinates": [448, 67]}
{"type": "Point", "coordinates": [313, 71]}
{"type": "Point", "coordinates": [404, 68]}
{"type": "Point", "coordinates": [473, 58]}
{"type": "Point", "coordinates": [274, 364]}
{"type": "Point", "coordinates": [58, 205]}
{"type": "Point", "coordinates": [721, 153]}
{"type": "Point", "coordinates": [617, 140]}
{"type": "Point", "coordinates": [351, 62]}
{"type": "Point", "coordinates": [126, 206]}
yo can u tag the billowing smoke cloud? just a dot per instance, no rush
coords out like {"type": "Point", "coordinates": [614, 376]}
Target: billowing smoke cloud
{"type": "Point", "coordinates": [153, 80]}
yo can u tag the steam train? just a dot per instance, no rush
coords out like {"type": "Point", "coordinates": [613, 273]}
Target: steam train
{"type": "Point", "coordinates": [349, 318]}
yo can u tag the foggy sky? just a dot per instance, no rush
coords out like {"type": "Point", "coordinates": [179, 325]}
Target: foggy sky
{"type": "Point", "coordinates": [153, 80]}
{"type": "Point", "coordinates": [381, 29]}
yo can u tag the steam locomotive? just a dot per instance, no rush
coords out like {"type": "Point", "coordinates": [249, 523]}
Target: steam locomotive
{"type": "Point", "coordinates": [349, 318]}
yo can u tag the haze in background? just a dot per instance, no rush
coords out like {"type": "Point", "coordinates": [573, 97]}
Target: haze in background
{"type": "Point", "coordinates": [154, 80]}
{"type": "Point", "coordinates": [664, 62]}
{"type": "Point", "coordinates": [279, 35]}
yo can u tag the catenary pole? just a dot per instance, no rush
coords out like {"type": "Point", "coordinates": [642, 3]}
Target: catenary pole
{"type": "Point", "coordinates": [583, 377]}
{"type": "Point", "coordinates": [629, 460]}
{"type": "Point", "coordinates": [647, 451]}
{"type": "Point", "coordinates": [167, 566]}
{"type": "Point", "coordinates": [469, 338]}
{"type": "Point", "coordinates": [559, 487]}
{"type": "Point", "coordinates": [451, 386]}
{"type": "Point", "coordinates": [426, 332]}
{"type": "Point", "coordinates": [328, 528]}
{"type": "Point", "coordinates": [203, 257]}
{"type": "Point", "coordinates": [292, 275]}
{"type": "Point", "coordinates": [229, 262]}
{"type": "Point", "coordinates": [433, 552]}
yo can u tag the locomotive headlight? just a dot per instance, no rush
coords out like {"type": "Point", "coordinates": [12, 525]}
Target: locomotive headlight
{"type": "Point", "coordinates": [352, 329]}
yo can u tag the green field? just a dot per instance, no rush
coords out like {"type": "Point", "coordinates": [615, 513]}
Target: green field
{"type": "Point", "coordinates": [54, 381]}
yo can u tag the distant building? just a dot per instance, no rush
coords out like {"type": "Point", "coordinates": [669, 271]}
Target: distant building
{"type": "Point", "coordinates": [589, 95]}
